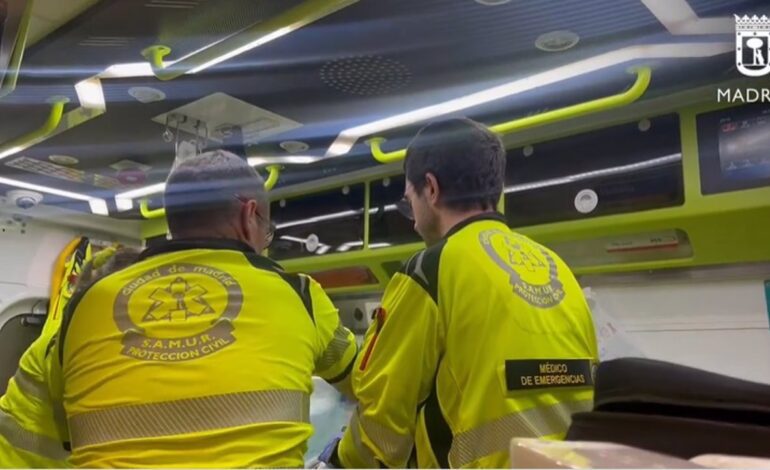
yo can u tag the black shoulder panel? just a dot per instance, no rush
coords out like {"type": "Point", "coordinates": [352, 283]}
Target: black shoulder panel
{"type": "Point", "coordinates": [69, 309]}
{"type": "Point", "coordinates": [439, 433]}
{"type": "Point", "coordinates": [423, 268]}
{"type": "Point", "coordinates": [299, 282]}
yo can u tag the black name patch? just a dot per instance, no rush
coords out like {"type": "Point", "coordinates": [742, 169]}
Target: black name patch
{"type": "Point", "coordinates": [548, 373]}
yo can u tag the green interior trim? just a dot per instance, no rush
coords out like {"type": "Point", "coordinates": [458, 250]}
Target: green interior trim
{"type": "Point", "coordinates": [263, 32]}
{"type": "Point", "coordinates": [51, 123]}
{"type": "Point", "coordinates": [150, 228]}
{"type": "Point", "coordinates": [643, 78]}
{"type": "Point", "coordinates": [274, 172]}
{"type": "Point", "coordinates": [14, 66]}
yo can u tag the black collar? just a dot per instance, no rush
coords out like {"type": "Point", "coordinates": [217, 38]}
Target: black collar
{"type": "Point", "coordinates": [476, 218]}
{"type": "Point", "coordinates": [173, 246]}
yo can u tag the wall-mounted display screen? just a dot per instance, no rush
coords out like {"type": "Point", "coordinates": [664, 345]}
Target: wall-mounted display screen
{"type": "Point", "coordinates": [734, 149]}
{"type": "Point", "coordinates": [318, 224]}
{"type": "Point", "coordinates": [626, 168]}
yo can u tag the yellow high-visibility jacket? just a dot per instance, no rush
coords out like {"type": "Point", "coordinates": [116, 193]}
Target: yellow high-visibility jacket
{"type": "Point", "coordinates": [198, 355]}
{"type": "Point", "coordinates": [481, 338]}
{"type": "Point", "coordinates": [32, 428]}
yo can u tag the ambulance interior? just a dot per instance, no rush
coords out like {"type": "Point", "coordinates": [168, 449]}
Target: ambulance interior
{"type": "Point", "coordinates": [620, 157]}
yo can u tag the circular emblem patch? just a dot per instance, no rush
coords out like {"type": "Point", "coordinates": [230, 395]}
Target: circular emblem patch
{"type": "Point", "coordinates": [532, 270]}
{"type": "Point", "coordinates": [177, 312]}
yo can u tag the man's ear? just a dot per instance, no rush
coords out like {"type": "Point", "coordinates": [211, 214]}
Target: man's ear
{"type": "Point", "coordinates": [432, 190]}
{"type": "Point", "coordinates": [246, 213]}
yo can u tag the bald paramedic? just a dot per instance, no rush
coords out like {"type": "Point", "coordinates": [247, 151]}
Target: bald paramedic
{"type": "Point", "coordinates": [482, 337]}
{"type": "Point", "coordinates": [201, 352]}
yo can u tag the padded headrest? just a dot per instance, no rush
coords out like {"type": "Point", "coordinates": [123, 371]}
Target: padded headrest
{"type": "Point", "coordinates": [636, 380]}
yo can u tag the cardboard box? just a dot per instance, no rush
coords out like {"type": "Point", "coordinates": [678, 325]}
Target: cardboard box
{"type": "Point", "coordinates": [537, 453]}
{"type": "Point", "coordinates": [731, 461]}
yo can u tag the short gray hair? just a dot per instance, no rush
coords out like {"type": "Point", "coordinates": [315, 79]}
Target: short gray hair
{"type": "Point", "coordinates": [204, 189]}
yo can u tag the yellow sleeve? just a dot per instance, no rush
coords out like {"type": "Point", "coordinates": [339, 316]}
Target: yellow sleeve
{"type": "Point", "coordinates": [33, 429]}
{"type": "Point", "coordinates": [337, 345]}
{"type": "Point", "coordinates": [394, 373]}
{"type": "Point", "coordinates": [32, 433]}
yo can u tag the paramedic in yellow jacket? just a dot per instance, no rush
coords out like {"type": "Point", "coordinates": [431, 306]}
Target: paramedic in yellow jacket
{"type": "Point", "coordinates": [200, 354]}
{"type": "Point", "coordinates": [482, 337]}
{"type": "Point", "coordinates": [30, 420]}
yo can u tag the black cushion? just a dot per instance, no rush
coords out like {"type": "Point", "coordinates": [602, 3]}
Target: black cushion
{"type": "Point", "coordinates": [676, 410]}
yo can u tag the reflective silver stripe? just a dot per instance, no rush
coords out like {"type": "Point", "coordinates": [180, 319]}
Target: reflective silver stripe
{"type": "Point", "coordinates": [335, 350]}
{"type": "Point", "coordinates": [29, 386]}
{"type": "Point", "coordinates": [495, 436]}
{"type": "Point", "coordinates": [394, 447]}
{"type": "Point", "coordinates": [189, 416]}
{"type": "Point", "coordinates": [29, 441]}
{"type": "Point", "coordinates": [364, 452]}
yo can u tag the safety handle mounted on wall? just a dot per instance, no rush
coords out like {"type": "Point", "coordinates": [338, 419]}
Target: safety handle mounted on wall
{"type": "Point", "coordinates": [51, 123]}
{"type": "Point", "coordinates": [643, 77]}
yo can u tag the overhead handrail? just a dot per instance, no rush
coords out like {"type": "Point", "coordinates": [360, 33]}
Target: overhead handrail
{"type": "Point", "coordinates": [50, 125]}
{"type": "Point", "coordinates": [261, 33]}
{"type": "Point", "coordinates": [643, 77]}
{"type": "Point", "coordinates": [270, 182]}
{"type": "Point", "coordinates": [14, 65]}
{"type": "Point", "coordinates": [147, 213]}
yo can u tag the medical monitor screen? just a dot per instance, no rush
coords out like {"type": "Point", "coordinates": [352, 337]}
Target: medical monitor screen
{"type": "Point", "coordinates": [734, 146]}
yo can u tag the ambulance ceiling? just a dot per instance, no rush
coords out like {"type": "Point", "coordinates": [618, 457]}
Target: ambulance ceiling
{"type": "Point", "coordinates": [321, 90]}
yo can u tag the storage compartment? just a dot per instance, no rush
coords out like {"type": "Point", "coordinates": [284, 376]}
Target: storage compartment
{"type": "Point", "coordinates": [319, 223]}
{"type": "Point", "coordinates": [627, 168]}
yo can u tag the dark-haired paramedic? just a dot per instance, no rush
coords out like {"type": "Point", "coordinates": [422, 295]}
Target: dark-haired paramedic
{"type": "Point", "coordinates": [482, 337]}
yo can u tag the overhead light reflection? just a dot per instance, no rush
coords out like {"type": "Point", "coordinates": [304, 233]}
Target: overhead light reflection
{"type": "Point", "coordinates": [256, 43]}
{"type": "Point", "coordinates": [655, 162]}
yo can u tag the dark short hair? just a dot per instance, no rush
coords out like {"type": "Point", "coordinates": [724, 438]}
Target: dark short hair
{"type": "Point", "coordinates": [467, 159]}
{"type": "Point", "coordinates": [203, 190]}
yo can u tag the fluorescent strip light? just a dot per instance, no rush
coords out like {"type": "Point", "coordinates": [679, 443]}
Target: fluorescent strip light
{"type": "Point", "coordinates": [320, 218]}
{"type": "Point", "coordinates": [284, 160]}
{"type": "Point", "coordinates": [332, 216]}
{"type": "Point", "coordinates": [90, 94]}
{"type": "Point", "coordinates": [256, 43]}
{"type": "Point", "coordinates": [347, 246]}
{"type": "Point", "coordinates": [293, 239]}
{"type": "Point", "coordinates": [593, 174]}
{"type": "Point", "coordinates": [347, 138]}
{"type": "Point", "coordinates": [128, 70]}
{"type": "Point", "coordinates": [98, 206]}
{"type": "Point", "coordinates": [678, 17]}
{"type": "Point", "coordinates": [124, 204]}
{"type": "Point", "coordinates": [141, 192]}
{"type": "Point", "coordinates": [11, 151]}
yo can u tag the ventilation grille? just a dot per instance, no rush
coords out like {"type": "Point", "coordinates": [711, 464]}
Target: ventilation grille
{"type": "Point", "coordinates": [365, 75]}
{"type": "Point", "coordinates": [106, 41]}
{"type": "Point", "coordinates": [175, 4]}
{"type": "Point", "coordinates": [62, 172]}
